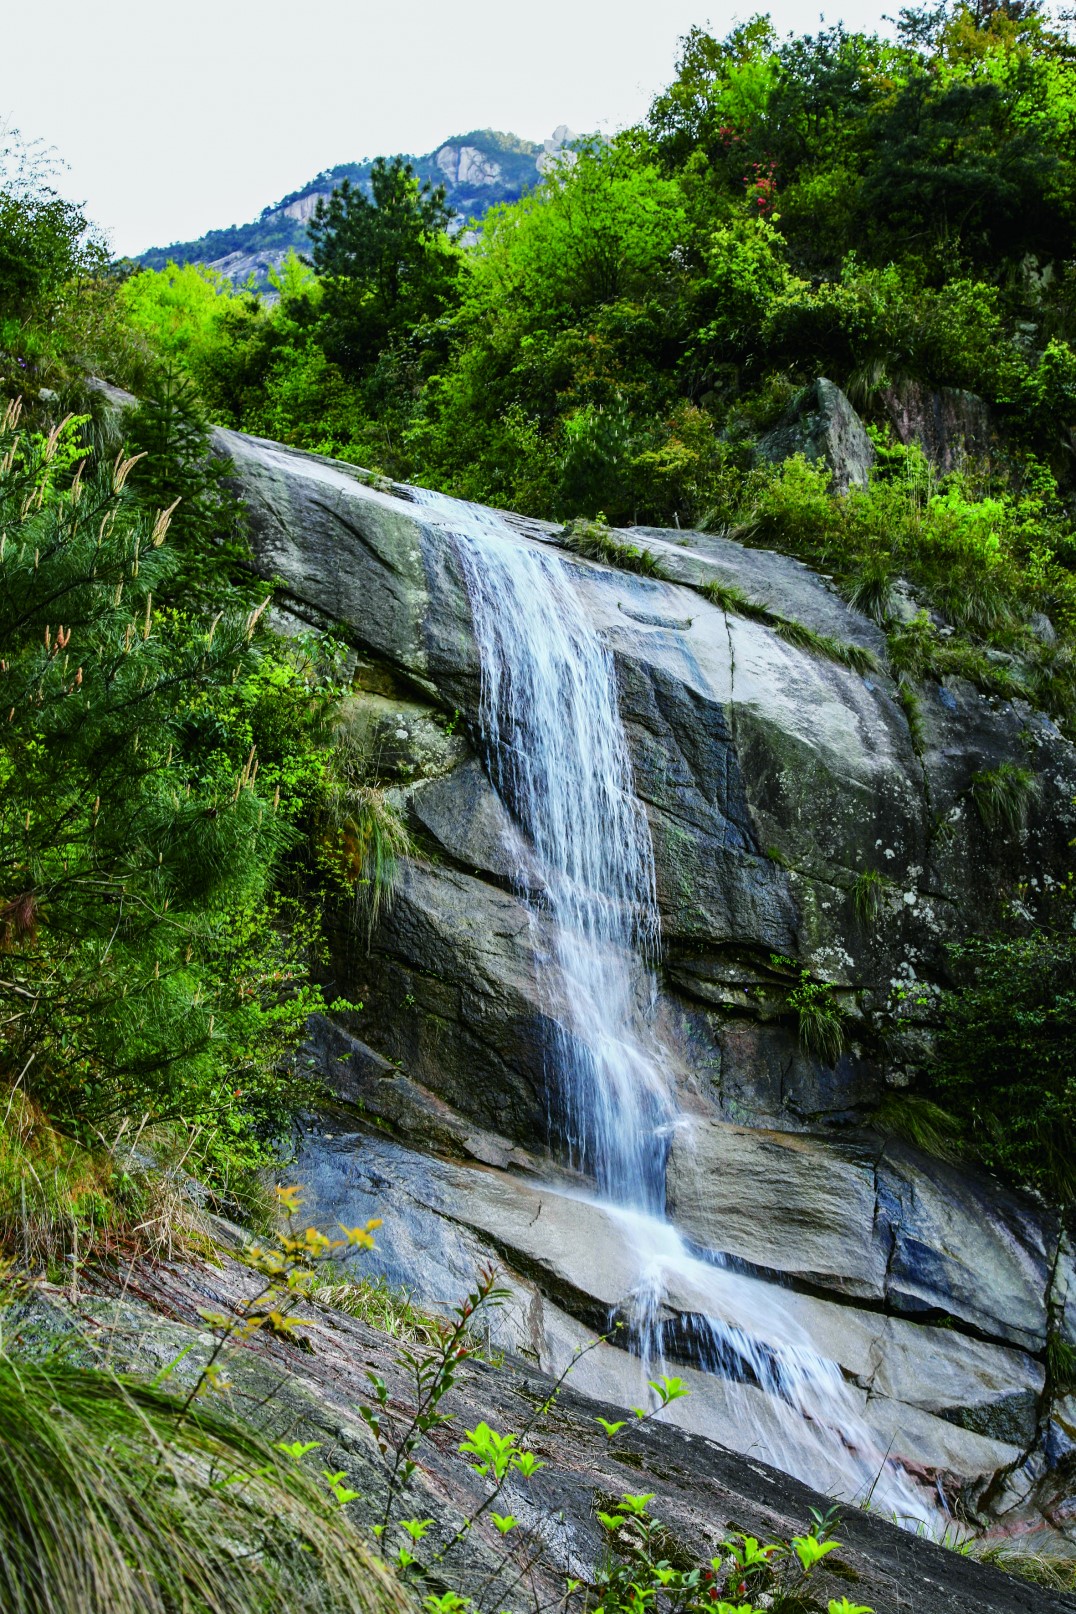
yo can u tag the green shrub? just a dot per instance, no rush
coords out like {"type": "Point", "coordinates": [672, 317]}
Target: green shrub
{"type": "Point", "coordinates": [150, 966]}
{"type": "Point", "coordinates": [820, 1018]}
{"type": "Point", "coordinates": [1006, 1056]}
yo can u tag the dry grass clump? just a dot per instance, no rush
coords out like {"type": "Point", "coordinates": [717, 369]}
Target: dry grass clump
{"type": "Point", "coordinates": [119, 1500]}
{"type": "Point", "coordinates": [375, 1302]}
{"type": "Point", "coordinates": [1054, 1573]}
{"type": "Point", "coordinates": [62, 1202]}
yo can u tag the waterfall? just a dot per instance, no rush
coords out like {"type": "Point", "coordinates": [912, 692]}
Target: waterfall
{"type": "Point", "coordinates": [556, 752]}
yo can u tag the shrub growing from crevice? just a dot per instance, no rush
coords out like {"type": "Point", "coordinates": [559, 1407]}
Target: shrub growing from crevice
{"type": "Point", "coordinates": [820, 1020]}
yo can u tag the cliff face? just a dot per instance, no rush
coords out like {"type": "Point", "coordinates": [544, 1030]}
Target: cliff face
{"type": "Point", "coordinates": [478, 170]}
{"type": "Point", "coordinates": [771, 778]}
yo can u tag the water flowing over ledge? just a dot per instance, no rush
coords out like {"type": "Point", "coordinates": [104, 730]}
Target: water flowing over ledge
{"type": "Point", "coordinates": [768, 777]}
{"type": "Point", "coordinates": [556, 751]}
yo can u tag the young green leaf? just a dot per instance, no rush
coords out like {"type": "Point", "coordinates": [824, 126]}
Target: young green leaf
{"type": "Point", "coordinates": [809, 1550]}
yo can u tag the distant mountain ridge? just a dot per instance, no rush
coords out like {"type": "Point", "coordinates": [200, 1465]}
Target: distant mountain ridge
{"type": "Point", "coordinates": [478, 170]}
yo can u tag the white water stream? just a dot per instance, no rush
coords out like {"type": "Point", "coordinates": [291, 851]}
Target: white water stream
{"type": "Point", "coordinates": [557, 754]}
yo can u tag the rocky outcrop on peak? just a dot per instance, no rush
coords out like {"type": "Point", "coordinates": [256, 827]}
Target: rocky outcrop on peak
{"type": "Point", "coordinates": [478, 170]}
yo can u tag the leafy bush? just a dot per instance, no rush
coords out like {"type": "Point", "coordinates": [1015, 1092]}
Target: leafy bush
{"type": "Point", "coordinates": [1006, 1059]}
{"type": "Point", "coordinates": [820, 1018]}
{"type": "Point", "coordinates": [149, 968]}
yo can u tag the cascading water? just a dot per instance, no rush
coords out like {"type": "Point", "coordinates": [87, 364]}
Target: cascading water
{"type": "Point", "coordinates": [557, 754]}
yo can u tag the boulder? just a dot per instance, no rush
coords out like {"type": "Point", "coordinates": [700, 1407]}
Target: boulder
{"type": "Point", "coordinates": [949, 425]}
{"type": "Point", "coordinates": [963, 1246]}
{"type": "Point", "coordinates": [822, 426]}
{"type": "Point", "coordinates": [935, 1396]}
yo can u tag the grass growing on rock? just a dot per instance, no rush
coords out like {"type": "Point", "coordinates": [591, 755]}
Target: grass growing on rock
{"type": "Point", "coordinates": [63, 1201]}
{"type": "Point", "coordinates": [922, 1123]}
{"type": "Point", "coordinates": [375, 1302]}
{"type": "Point", "coordinates": [1053, 1573]}
{"type": "Point", "coordinates": [869, 891]}
{"type": "Point", "coordinates": [593, 541]}
{"type": "Point", "coordinates": [732, 600]}
{"type": "Point", "coordinates": [1003, 795]}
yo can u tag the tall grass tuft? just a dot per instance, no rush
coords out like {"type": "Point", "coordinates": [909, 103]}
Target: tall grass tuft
{"type": "Point", "coordinates": [869, 890]}
{"type": "Point", "coordinates": [1003, 795]}
{"type": "Point", "coordinates": [366, 837]}
{"type": "Point", "coordinates": [595, 542]}
{"type": "Point", "coordinates": [1046, 1569]}
{"type": "Point", "coordinates": [117, 1501]}
{"type": "Point", "coordinates": [732, 600]}
{"type": "Point", "coordinates": [376, 1303]}
{"type": "Point", "coordinates": [870, 590]}
{"type": "Point", "coordinates": [63, 1201]}
{"type": "Point", "coordinates": [923, 1124]}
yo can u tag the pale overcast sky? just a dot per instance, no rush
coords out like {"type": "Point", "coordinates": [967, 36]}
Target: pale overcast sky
{"type": "Point", "coordinates": [177, 118]}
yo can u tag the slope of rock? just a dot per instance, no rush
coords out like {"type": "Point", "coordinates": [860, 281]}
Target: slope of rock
{"type": "Point", "coordinates": [149, 1320]}
{"type": "Point", "coordinates": [772, 777]}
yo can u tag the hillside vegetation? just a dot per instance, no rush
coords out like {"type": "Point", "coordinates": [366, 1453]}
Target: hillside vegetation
{"type": "Point", "coordinates": [180, 817]}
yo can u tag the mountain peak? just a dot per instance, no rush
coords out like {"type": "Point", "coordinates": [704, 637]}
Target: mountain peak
{"type": "Point", "coordinates": [478, 169]}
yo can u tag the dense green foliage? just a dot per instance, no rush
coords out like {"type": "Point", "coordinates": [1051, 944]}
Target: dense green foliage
{"type": "Point", "coordinates": [174, 808]}
{"type": "Point", "coordinates": [138, 843]}
{"type": "Point", "coordinates": [1007, 1056]}
{"type": "Point", "coordinates": [888, 213]}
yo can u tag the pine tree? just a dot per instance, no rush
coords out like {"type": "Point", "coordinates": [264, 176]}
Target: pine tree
{"type": "Point", "coordinates": [142, 973]}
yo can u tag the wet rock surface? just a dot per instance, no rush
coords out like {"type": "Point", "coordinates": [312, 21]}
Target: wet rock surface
{"type": "Point", "coordinates": [772, 778]}
{"type": "Point", "coordinates": [149, 1319]}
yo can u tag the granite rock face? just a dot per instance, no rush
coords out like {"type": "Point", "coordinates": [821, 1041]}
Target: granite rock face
{"type": "Point", "coordinates": [948, 424]}
{"type": "Point", "coordinates": [822, 426]}
{"type": "Point", "coordinates": [150, 1320]}
{"type": "Point", "coordinates": [772, 778]}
